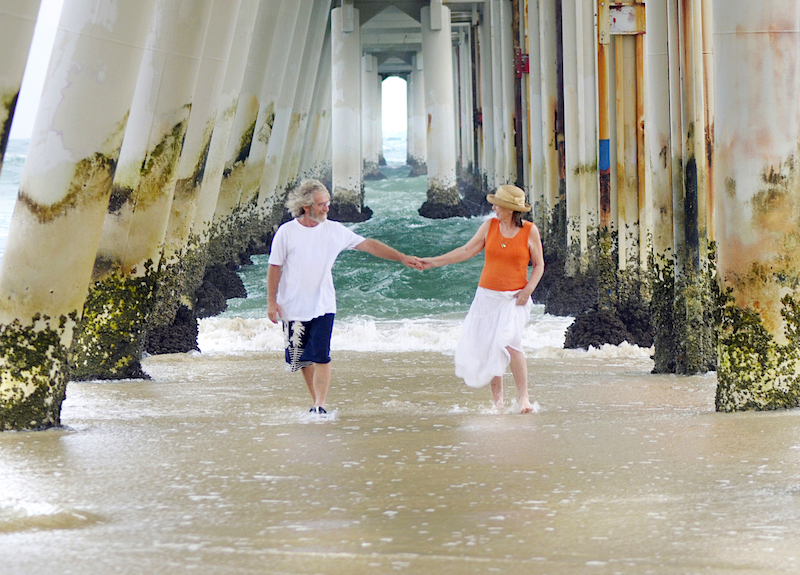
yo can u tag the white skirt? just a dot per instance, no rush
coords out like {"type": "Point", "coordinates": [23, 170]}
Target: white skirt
{"type": "Point", "coordinates": [493, 323]}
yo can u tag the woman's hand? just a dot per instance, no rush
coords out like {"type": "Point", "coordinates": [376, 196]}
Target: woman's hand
{"type": "Point", "coordinates": [523, 296]}
{"type": "Point", "coordinates": [428, 263]}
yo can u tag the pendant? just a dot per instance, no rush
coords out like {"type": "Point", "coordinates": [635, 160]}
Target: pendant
{"type": "Point", "coordinates": [502, 244]}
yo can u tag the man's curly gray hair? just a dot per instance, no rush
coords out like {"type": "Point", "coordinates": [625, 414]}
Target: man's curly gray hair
{"type": "Point", "coordinates": [303, 196]}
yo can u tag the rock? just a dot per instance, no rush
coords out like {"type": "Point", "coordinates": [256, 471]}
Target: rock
{"type": "Point", "coordinates": [179, 337]}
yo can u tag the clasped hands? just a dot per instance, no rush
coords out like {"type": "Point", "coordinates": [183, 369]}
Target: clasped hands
{"type": "Point", "coordinates": [418, 263]}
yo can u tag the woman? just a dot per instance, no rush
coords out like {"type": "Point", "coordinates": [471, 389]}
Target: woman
{"type": "Point", "coordinates": [491, 337]}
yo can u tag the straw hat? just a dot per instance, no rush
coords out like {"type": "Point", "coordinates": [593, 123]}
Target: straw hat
{"type": "Point", "coordinates": [510, 197]}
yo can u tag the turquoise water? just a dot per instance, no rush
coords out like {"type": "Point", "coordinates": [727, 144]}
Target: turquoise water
{"type": "Point", "coordinates": [9, 184]}
{"type": "Point", "coordinates": [382, 289]}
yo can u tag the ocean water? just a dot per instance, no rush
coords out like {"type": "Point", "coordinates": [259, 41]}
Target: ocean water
{"type": "Point", "coordinates": [10, 177]}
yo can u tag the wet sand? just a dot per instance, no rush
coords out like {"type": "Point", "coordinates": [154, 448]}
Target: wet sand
{"type": "Point", "coordinates": [215, 466]}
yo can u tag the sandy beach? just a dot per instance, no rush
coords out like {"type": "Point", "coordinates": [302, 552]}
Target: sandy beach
{"type": "Point", "coordinates": [215, 467]}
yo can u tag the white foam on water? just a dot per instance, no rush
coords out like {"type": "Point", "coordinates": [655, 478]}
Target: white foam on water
{"type": "Point", "coordinates": [543, 337]}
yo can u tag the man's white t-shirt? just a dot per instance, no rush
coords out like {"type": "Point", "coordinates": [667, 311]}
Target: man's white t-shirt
{"type": "Point", "coordinates": [306, 256]}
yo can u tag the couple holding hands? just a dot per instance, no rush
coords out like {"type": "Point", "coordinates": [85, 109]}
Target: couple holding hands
{"type": "Point", "coordinates": [300, 289]}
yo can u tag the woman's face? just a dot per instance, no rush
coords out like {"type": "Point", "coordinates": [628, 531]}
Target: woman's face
{"type": "Point", "coordinates": [502, 213]}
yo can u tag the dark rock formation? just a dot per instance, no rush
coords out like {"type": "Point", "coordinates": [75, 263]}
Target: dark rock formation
{"type": "Point", "coordinates": [630, 323]}
{"type": "Point", "coordinates": [220, 283]}
{"type": "Point", "coordinates": [594, 328]}
{"type": "Point", "coordinates": [473, 203]}
{"type": "Point", "coordinates": [374, 175]}
{"type": "Point", "coordinates": [179, 337]}
{"type": "Point", "coordinates": [209, 301]}
{"type": "Point", "coordinates": [569, 295]}
{"type": "Point", "coordinates": [349, 213]}
{"type": "Point", "coordinates": [637, 319]}
{"type": "Point", "coordinates": [441, 211]}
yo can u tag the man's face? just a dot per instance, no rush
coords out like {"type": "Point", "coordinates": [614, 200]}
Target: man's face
{"type": "Point", "coordinates": [318, 211]}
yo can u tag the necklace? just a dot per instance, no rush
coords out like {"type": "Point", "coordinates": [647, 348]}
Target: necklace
{"type": "Point", "coordinates": [503, 240]}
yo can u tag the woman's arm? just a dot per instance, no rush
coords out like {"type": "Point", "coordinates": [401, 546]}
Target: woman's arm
{"type": "Point", "coordinates": [470, 249]}
{"type": "Point", "coordinates": [537, 259]}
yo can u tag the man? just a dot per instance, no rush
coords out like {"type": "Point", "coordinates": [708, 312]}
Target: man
{"type": "Point", "coordinates": [300, 285]}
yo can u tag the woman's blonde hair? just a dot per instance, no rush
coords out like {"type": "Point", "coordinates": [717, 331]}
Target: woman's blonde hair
{"type": "Point", "coordinates": [303, 196]}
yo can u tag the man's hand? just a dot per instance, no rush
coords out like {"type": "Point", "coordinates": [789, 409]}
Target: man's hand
{"type": "Point", "coordinates": [412, 262]}
{"type": "Point", "coordinates": [274, 312]}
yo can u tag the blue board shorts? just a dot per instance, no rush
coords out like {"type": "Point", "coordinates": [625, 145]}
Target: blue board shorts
{"type": "Point", "coordinates": [308, 342]}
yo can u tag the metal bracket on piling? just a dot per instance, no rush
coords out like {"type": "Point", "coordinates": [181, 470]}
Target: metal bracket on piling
{"type": "Point", "coordinates": [436, 14]}
{"type": "Point", "coordinates": [625, 19]}
{"type": "Point", "coordinates": [348, 16]}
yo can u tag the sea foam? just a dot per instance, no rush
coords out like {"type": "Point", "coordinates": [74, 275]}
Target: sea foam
{"type": "Point", "coordinates": [543, 337]}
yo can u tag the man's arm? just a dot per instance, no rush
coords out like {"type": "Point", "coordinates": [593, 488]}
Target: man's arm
{"type": "Point", "coordinates": [381, 250]}
{"type": "Point", "coordinates": [274, 311]}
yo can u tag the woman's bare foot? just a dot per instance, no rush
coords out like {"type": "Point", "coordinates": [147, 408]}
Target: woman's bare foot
{"type": "Point", "coordinates": [497, 392]}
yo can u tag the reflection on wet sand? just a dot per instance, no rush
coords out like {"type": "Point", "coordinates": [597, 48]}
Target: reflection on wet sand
{"type": "Point", "coordinates": [215, 466]}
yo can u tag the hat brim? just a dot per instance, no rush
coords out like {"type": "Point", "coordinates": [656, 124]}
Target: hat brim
{"type": "Point", "coordinates": [492, 199]}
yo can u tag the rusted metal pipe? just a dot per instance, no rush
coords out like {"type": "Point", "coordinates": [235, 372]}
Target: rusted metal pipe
{"type": "Point", "coordinates": [604, 144]}
{"type": "Point", "coordinates": [520, 69]}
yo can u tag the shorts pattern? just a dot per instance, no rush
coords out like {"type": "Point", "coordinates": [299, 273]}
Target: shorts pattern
{"type": "Point", "coordinates": [307, 342]}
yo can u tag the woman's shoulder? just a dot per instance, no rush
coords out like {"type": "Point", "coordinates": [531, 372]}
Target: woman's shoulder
{"type": "Point", "coordinates": [532, 231]}
{"type": "Point", "coordinates": [530, 227]}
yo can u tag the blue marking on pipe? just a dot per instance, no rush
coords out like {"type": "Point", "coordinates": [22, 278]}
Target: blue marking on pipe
{"type": "Point", "coordinates": [605, 156]}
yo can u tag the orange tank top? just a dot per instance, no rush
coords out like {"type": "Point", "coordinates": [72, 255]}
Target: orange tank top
{"type": "Point", "coordinates": [505, 268]}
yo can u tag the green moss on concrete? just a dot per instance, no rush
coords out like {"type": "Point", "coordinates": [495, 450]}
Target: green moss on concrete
{"type": "Point", "coordinates": [231, 240]}
{"type": "Point", "coordinates": [682, 311]}
{"type": "Point", "coordinates": [266, 130]}
{"type": "Point", "coordinates": [120, 195]}
{"type": "Point", "coordinates": [585, 169]}
{"type": "Point", "coordinates": [693, 334]}
{"type": "Point", "coordinates": [437, 194]}
{"type": "Point", "coordinates": [755, 371]}
{"type": "Point", "coordinates": [33, 373]}
{"type": "Point", "coordinates": [109, 340]}
{"type": "Point", "coordinates": [607, 271]}
{"type": "Point", "coordinates": [243, 150]}
{"type": "Point", "coordinates": [8, 103]}
{"type": "Point", "coordinates": [759, 319]}
{"type": "Point", "coordinates": [662, 312]}
{"type": "Point", "coordinates": [159, 167]}
{"type": "Point", "coordinates": [90, 182]}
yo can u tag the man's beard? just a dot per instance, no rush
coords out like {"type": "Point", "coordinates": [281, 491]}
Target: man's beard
{"type": "Point", "coordinates": [319, 218]}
